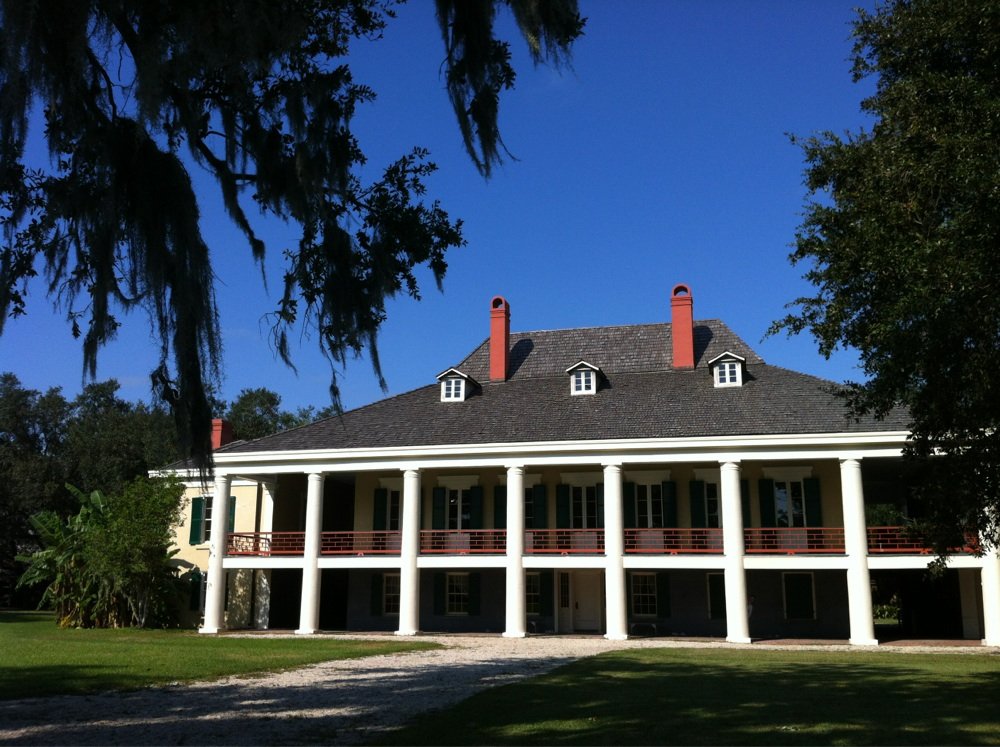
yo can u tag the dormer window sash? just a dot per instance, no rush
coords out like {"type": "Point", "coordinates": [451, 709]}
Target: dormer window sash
{"type": "Point", "coordinates": [727, 370]}
{"type": "Point", "coordinates": [455, 385]}
{"type": "Point", "coordinates": [583, 378]}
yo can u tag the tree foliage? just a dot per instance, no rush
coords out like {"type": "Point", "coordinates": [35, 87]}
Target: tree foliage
{"type": "Point", "coordinates": [109, 564]}
{"type": "Point", "coordinates": [97, 439]}
{"type": "Point", "coordinates": [900, 240]}
{"type": "Point", "coordinates": [258, 94]}
{"type": "Point", "coordinates": [257, 412]}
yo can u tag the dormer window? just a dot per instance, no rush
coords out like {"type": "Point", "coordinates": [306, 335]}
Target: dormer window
{"type": "Point", "coordinates": [455, 385]}
{"type": "Point", "coordinates": [727, 369]}
{"type": "Point", "coordinates": [452, 388]}
{"type": "Point", "coordinates": [583, 378]}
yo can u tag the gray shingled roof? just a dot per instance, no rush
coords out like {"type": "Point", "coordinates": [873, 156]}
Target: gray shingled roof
{"type": "Point", "coordinates": [641, 397]}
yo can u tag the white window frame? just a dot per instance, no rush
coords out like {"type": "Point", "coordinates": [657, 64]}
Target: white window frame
{"type": "Point", "coordinates": [644, 594]}
{"type": "Point", "coordinates": [727, 370]}
{"type": "Point", "coordinates": [453, 389]}
{"type": "Point", "coordinates": [583, 378]}
{"type": "Point", "coordinates": [456, 598]}
{"type": "Point", "coordinates": [533, 594]}
{"type": "Point", "coordinates": [390, 594]}
{"type": "Point", "coordinates": [789, 477]}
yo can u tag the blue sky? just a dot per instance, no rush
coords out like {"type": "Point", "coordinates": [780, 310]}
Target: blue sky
{"type": "Point", "coordinates": [661, 156]}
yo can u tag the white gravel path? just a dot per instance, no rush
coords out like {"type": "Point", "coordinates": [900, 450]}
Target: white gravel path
{"type": "Point", "coordinates": [338, 702]}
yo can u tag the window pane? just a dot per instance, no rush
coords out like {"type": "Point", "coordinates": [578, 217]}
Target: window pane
{"type": "Point", "coordinates": [781, 504]}
{"type": "Point", "coordinates": [644, 594]}
{"type": "Point", "coordinates": [533, 594]}
{"type": "Point", "coordinates": [390, 591]}
{"type": "Point", "coordinates": [457, 594]}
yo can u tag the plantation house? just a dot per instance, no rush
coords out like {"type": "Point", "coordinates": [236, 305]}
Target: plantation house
{"type": "Point", "coordinates": [657, 479]}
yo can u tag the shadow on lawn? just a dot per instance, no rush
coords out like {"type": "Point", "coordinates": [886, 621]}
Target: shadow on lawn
{"type": "Point", "coordinates": [632, 698]}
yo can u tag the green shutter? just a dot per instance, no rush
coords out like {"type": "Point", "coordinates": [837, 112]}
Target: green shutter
{"type": "Point", "coordinates": [628, 504]}
{"type": "Point", "coordinates": [547, 587]}
{"type": "Point", "coordinates": [439, 592]}
{"type": "Point", "coordinates": [663, 594]}
{"type": "Point", "coordinates": [475, 498]}
{"type": "Point", "coordinates": [765, 497]}
{"type": "Point", "coordinates": [745, 502]}
{"type": "Point", "coordinates": [814, 504]}
{"type": "Point", "coordinates": [232, 514]}
{"type": "Point", "coordinates": [197, 520]}
{"type": "Point", "coordinates": [669, 488]}
{"type": "Point", "coordinates": [562, 506]}
{"type": "Point", "coordinates": [376, 600]}
{"type": "Point", "coordinates": [540, 507]}
{"type": "Point", "coordinates": [439, 499]}
{"type": "Point", "coordinates": [499, 506]}
{"type": "Point", "coordinates": [475, 585]}
{"type": "Point", "coordinates": [600, 505]}
{"type": "Point", "coordinates": [380, 510]}
{"type": "Point", "coordinates": [697, 494]}
{"type": "Point", "coordinates": [717, 596]}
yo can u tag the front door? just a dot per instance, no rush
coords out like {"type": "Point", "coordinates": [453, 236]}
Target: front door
{"type": "Point", "coordinates": [587, 601]}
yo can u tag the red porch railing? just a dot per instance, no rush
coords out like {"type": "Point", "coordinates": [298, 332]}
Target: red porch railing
{"type": "Point", "coordinates": [673, 541]}
{"type": "Point", "coordinates": [564, 541]}
{"type": "Point", "coordinates": [794, 540]}
{"type": "Point", "coordinates": [360, 543]}
{"type": "Point", "coordinates": [463, 541]}
{"type": "Point", "coordinates": [266, 543]}
{"type": "Point", "coordinates": [895, 540]}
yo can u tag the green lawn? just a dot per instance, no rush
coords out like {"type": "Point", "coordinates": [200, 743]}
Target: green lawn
{"type": "Point", "coordinates": [740, 697]}
{"type": "Point", "coordinates": [38, 658]}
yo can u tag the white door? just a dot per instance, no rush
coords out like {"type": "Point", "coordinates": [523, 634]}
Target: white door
{"type": "Point", "coordinates": [587, 601]}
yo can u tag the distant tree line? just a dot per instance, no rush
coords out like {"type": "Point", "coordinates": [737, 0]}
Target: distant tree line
{"type": "Point", "coordinates": [55, 453]}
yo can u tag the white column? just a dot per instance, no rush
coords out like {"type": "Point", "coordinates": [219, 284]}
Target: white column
{"type": "Point", "coordinates": [737, 623]}
{"type": "Point", "coordinates": [309, 607]}
{"type": "Point", "coordinates": [409, 574]}
{"type": "Point", "coordinates": [990, 576]}
{"type": "Point", "coordinates": [267, 505]}
{"type": "Point", "coordinates": [859, 585]}
{"type": "Point", "coordinates": [515, 625]}
{"type": "Point", "coordinates": [262, 578]}
{"type": "Point", "coordinates": [614, 549]}
{"type": "Point", "coordinates": [215, 594]}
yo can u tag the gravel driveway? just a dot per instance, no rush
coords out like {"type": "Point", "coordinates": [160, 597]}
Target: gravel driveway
{"type": "Point", "coordinates": [338, 702]}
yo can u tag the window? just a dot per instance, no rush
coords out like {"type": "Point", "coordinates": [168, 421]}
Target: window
{"type": "Point", "coordinates": [649, 506]}
{"type": "Point", "coordinates": [799, 596]}
{"type": "Point", "coordinates": [533, 594]}
{"type": "Point", "coordinates": [727, 374]}
{"type": "Point", "coordinates": [713, 517]}
{"type": "Point", "coordinates": [583, 507]}
{"type": "Point", "coordinates": [457, 594]}
{"type": "Point", "coordinates": [789, 503]}
{"type": "Point", "coordinates": [583, 382]}
{"type": "Point", "coordinates": [390, 594]}
{"type": "Point", "coordinates": [644, 594]}
{"type": "Point", "coordinates": [459, 509]}
{"type": "Point", "coordinates": [727, 369]}
{"type": "Point", "coordinates": [564, 591]}
{"type": "Point", "coordinates": [583, 378]}
{"type": "Point", "coordinates": [201, 518]}
{"type": "Point", "coordinates": [453, 389]}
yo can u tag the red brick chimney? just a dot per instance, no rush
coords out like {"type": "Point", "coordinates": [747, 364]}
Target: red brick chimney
{"type": "Point", "coordinates": [222, 433]}
{"type": "Point", "coordinates": [499, 338]}
{"type": "Point", "coordinates": [682, 326]}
